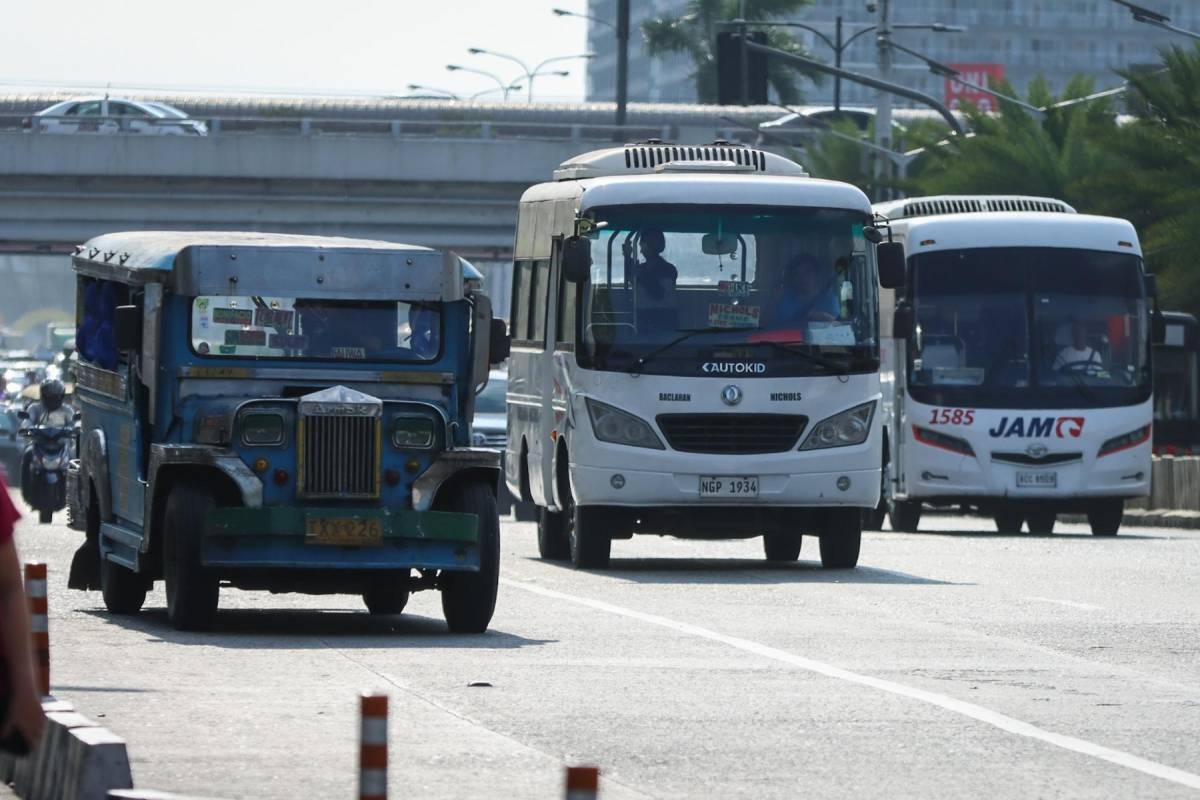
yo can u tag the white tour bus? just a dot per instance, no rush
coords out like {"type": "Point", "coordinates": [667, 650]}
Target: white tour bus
{"type": "Point", "coordinates": [663, 381]}
{"type": "Point", "coordinates": [1018, 379]}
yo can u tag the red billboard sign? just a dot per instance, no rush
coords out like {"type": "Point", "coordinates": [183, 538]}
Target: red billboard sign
{"type": "Point", "coordinates": [978, 74]}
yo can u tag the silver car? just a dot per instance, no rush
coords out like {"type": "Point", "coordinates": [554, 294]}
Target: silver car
{"type": "Point", "coordinates": [114, 115]}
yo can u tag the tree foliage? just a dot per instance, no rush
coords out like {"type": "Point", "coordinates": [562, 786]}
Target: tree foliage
{"type": "Point", "coordinates": [694, 33]}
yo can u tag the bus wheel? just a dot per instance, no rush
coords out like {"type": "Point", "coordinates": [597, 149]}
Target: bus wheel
{"type": "Point", "coordinates": [905, 515]}
{"type": "Point", "coordinates": [469, 598]}
{"type": "Point", "coordinates": [841, 538]}
{"type": "Point", "coordinates": [552, 535]}
{"type": "Point", "coordinates": [192, 591]}
{"type": "Point", "coordinates": [588, 538]}
{"type": "Point", "coordinates": [1105, 516]}
{"type": "Point", "coordinates": [782, 545]}
{"type": "Point", "coordinates": [1008, 520]}
{"type": "Point", "coordinates": [1041, 521]}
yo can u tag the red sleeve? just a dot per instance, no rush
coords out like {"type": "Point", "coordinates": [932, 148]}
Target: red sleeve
{"type": "Point", "coordinates": [8, 513]}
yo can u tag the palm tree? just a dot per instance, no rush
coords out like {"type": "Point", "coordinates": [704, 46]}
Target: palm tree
{"type": "Point", "coordinates": [694, 32]}
{"type": "Point", "coordinates": [1015, 152]}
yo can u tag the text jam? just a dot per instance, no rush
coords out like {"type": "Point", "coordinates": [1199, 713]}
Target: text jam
{"type": "Point", "coordinates": [1038, 427]}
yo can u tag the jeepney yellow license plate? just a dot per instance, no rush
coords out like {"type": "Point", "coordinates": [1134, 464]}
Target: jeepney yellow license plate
{"type": "Point", "coordinates": [349, 531]}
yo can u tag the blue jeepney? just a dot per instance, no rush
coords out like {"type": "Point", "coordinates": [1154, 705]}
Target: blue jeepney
{"type": "Point", "coordinates": [283, 413]}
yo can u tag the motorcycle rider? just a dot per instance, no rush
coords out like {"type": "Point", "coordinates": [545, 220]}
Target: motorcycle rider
{"type": "Point", "coordinates": [50, 412]}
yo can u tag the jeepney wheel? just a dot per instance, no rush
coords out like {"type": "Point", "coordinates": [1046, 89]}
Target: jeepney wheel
{"type": "Point", "coordinates": [386, 600]}
{"type": "Point", "coordinates": [905, 515]}
{"type": "Point", "coordinates": [1041, 521]}
{"type": "Point", "coordinates": [192, 590]}
{"type": "Point", "coordinates": [782, 545]}
{"type": "Point", "coordinates": [553, 544]}
{"type": "Point", "coordinates": [1105, 517]}
{"type": "Point", "coordinates": [124, 591]}
{"type": "Point", "coordinates": [589, 541]}
{"type": "Point", "coordinates": [1008, 521]}
{"type": "Point", "coordinates": [841, 538]}
{"type": "Point", "coordinates": [469, 598]}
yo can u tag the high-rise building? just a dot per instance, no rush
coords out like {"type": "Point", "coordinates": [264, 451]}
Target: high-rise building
{"type": "Point", "coordinates": [1017, 39]}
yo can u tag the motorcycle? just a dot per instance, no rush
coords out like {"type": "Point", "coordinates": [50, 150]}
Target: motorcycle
{"type": "Point", "coordinates": [44, 482]}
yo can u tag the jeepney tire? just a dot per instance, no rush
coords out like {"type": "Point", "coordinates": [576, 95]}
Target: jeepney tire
{"type": "Point", "coordinates": [124, 591]}
{"type": "Point", "coordinates": [469, 598]}
{"type": "Point", "coordinates": [553, 544]}
{"type": "Point", "coordinates": [192, 591]}
{"type": "Point", "coordinates": [841, 538]}
{"type": "Point", "coordinates": [1008, 520]}
{"type": "Point", "coordinates": [872, 518]}
{"type": "Point", "coordinates": [782, 545]}
{"type": "Point", "coordinates": [905, 515]}
{"type": "Point", "coordinates": [1041, 522]}
{"type": "Point", "coordinates": [587, 537]}
{"type": "Point", "coordinates": [386, 600]}
{"type": "Point", "coordinates": [1105, 516]}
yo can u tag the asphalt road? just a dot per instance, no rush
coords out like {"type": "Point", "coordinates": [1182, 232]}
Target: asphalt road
{"type": "Point", "coordinates": [952, 663]}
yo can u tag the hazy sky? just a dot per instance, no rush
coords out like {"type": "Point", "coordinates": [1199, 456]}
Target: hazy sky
{"type": "Point", "coordinates": [347, 46]}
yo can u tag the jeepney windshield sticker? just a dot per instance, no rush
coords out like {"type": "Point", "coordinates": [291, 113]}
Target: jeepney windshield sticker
{"type": "Point", "coordinates": [273, 317]}
{"type": "Point", "coordinates": [283, 341]}
{"type": "Point", "coordinates": [233, 316]}
{"type": "Point", "coordinates": [250, 338]}
{"type": "Point", "coordinates": [350, 352]}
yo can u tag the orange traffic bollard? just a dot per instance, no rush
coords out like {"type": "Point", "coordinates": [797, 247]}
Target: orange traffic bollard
{"type": "Point", "coordinates": [35, 590]}
{"type": "Point", "coordinates": [583, 783]}
{"type": "Point", "coordinates": [373, 748]}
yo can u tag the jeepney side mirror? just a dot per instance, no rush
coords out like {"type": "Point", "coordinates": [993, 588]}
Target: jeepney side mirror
{"type": "Point", "coordinates": [902, 321]}
{"type": "Point", "coordinates": [890, 256]}
{"type": "Point", "coordinates": [576, 259]}
{"type": "Point", "coordinates": [499, 345]}
{"type": "Point", "coordinates": [127, 328]}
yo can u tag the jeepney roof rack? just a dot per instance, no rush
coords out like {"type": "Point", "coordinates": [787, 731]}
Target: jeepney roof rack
{"type": "Point", "coordinates": [968, 204]}
{"type": "Point", "coordinates": [654, 155]}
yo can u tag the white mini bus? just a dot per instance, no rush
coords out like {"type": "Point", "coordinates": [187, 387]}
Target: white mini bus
{"type": "Point", "coordinates": [695, 353]}
{"type": "Point", "coordinates": [1017, 378]}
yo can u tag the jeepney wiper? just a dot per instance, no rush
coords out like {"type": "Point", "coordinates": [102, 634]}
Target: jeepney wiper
{"type": "Point", "coordinates": [636, 367]}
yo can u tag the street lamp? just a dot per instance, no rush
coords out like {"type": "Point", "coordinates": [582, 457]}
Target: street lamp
{"type": "Point", "coordinates": [562, 12]}
{"type": "Point", "coordinates": [1145, 15]}
{"type": "Point", "coordinates": [839, 45]}
{"type": "Point", "coordinates": [419, 87]}
{"type": "Point", "coordinates": [530, 74]}
{"type": "Point", "coordinates": [504, 87]}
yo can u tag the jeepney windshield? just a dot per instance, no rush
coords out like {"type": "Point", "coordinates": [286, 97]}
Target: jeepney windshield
{"type": "Point", "coordinates": [302, 328]}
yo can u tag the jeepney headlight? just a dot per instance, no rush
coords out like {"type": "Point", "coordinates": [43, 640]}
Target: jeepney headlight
{"type": "Point", "coordinates": [618, 427]}
{"type": "Point", "coordinates": [840, 430]}
{"type": "Point", "coordinates": [412, 432]}
{"type": "Point", "coordinates": [262, 428]}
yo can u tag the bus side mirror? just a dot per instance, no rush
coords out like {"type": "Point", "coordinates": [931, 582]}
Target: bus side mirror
{"type": "Point", "coordinates": [127, 328]}
{"type": "Point", "coordinates": [1158, 327]}
{"type": "Point", "coordinates": [576, 259]}
{"type": "Point", "coordinates": [890, 256]}
{"type": "Point", "coordinates": [902, 321]}
{"type": "Point", "coordinates": [499, 345]}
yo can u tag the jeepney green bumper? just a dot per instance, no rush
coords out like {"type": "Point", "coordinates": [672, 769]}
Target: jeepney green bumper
{"type": "Point", "coordinates": [340, 538]}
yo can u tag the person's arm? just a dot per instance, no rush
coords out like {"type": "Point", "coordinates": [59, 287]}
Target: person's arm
{"type": "Point", "coordinates": [25, 709]}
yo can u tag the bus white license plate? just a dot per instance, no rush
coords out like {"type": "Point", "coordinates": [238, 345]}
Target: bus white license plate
{"type": "Point", "coordinates": [1037, 480]}
{"type": "Point", "coordinates": [729, 486]}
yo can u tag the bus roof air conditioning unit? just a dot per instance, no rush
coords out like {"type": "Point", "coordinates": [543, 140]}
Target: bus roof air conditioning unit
{"type": "Point", "coordinates": [966, 204]}
{"type": "Point", "coordinates": [650, 157]}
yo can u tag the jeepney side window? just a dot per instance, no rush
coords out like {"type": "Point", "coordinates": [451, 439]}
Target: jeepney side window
{"type": "Point", "coordinates": [96, 339]}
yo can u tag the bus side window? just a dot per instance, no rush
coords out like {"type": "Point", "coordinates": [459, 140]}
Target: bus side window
{"type": "Point", "coordinates": [522, 277]}
{"type": "Point", "coordinates": [539, 302]}
{"type": "Point", "coordinates": [565, 335]}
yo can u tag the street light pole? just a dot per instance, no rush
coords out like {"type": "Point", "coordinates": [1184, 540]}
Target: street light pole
{"type": "Point", "coordinates": [622, 62]}
{"type": "Point", "coordinates": [837, 79]}
{"type": "Point", "coordinates": [883, 110]}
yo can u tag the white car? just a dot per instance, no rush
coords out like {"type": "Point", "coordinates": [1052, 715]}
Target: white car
{"type": "Point", "coordinates": [114, 115]}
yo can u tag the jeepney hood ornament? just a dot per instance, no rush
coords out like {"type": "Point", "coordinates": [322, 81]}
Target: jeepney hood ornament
{"type": "Point", "coordinates": [341, 401]}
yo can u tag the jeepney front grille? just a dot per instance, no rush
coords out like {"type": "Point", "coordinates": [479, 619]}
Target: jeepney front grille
{"type": "Point", "coordinates": [340, 456]}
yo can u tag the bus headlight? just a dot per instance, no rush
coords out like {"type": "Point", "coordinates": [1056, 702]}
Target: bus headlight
{"type": "Point", "coordinates": [840, 430]}
{"type": "Point", "coordinates": [1125, 441]}
{"type": "Point", "coordinates": [618, 427]}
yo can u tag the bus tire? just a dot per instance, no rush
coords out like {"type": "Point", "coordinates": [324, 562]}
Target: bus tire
{"type": "Point", "coordinates": [124, 591]}
{"type": "Point", "coordinates": [552, 535]}
{"type": "Point", "coordinates": [905, 515]}
{"type": "Point", "coordinates": [588, 538]}
{"type": "Point", "coordinates": [841, 538]}
{"type": "Point", "coordinates": [469, 598]}
{"type": "Point", "coordinates": [1008, 520]}
{"type": "Point", "coordinates": [192, 591]}
{"type": "Point", "coordinates": [782, 545]}
{"type": "Point", "coordinates": [872, 518]}
{"type": "Point", "coordinates": [1105, 516]}
{"type": "Point", "coordinates": [1041, 522]}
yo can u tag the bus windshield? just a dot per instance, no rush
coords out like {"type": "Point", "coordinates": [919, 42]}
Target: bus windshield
{"type": "Point", "coordinates": [302, 328]}
{"type": "Point", "coordinates": [1028, 327]}
{"type": "Point", "coordinates": [704, 290]}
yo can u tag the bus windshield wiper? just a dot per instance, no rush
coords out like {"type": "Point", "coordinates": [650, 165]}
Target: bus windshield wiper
{"type": "Point", "coordinates": [636, 367]}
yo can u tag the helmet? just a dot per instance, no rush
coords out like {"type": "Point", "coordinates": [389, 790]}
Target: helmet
{"type": "Point", "coordinates": [52, 392]}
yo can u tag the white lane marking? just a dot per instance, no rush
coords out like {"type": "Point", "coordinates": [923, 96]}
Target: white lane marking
{"type": "Point", "coordinates": [976, 712]}
{"type": "Point", "coordinates": [1068, 603]}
